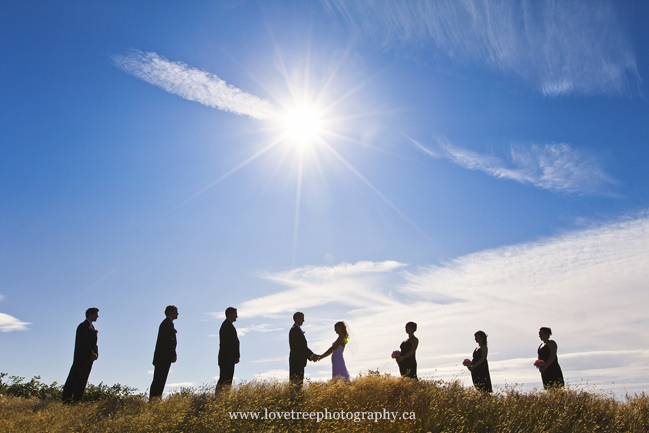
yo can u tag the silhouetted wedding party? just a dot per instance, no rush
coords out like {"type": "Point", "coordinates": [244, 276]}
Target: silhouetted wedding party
{"type": "Point", "coordinates": [86, 353]}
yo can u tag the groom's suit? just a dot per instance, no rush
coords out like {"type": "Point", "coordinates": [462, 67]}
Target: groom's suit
{"type": "Point", "coordinates": [163, 356]}
{"type": "Point", "coordinates": [85, 353]}
{"type": "Point", "coordinates": [298, 356]}
{"type": "Point", "coordinates": [228, 352]}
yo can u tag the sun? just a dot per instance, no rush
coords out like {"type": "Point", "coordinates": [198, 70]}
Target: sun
{"type": "Point", "coordinates": [303, 125]}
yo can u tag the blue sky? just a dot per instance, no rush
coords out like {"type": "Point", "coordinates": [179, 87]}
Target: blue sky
{"type": "Point", "coordinates": [478, 166]}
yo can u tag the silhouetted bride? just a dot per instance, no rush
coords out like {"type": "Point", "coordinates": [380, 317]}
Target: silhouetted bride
{"type": "Point", "coordinates": [338, 368]}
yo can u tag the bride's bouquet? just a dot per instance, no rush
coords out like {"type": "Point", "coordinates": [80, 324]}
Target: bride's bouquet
{"type": "Point", "coordinates": [539, 363]}
{"type": "Point", "coordinates": [396, 354]}
{"type": "Point", "coordinates": [466, 362]}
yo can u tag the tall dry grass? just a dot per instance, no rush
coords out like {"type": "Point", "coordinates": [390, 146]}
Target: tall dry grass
{"type": "Point", "coordinates": [437, 406]}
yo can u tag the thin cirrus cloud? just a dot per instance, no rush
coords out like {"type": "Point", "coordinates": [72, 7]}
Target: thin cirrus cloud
{"type": "Point", "coordinates": [311, 286]}
{"type": "Point", "coordinates": [589, 286]}
{"type": "Point", "coordinates": [193, 84]}
{"type": "Point", "coordinates": [180, 385]}
{"type": "Point", "coordinates": [9, 323]}
{"type": "Point", "coordinates": [559, 47]}
{"type": "Point", "coordinates": [556, 167]}
{"type": "Point", "coordinates": [263, 327]}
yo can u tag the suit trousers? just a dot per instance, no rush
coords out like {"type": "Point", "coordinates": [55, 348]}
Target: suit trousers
{"type": "Point", "coordinates": [226, 374]}
{"type": "Point", "coordinates": [75, 385]}
{"type": "Point", "coordinates": [296, 374]}
{"type": "Point", "coordinates": [160, 373]}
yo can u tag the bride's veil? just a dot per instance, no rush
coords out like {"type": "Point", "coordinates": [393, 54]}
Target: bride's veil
{"type": "Point", "coordinates": [352, 341]}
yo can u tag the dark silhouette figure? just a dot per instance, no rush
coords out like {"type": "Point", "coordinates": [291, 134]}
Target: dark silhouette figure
{"type": "Point", "coordinates": [551, 373]}
{"type": "Point", "coordinates": [165, 351]}
{"type": "Point", "coordinates": [228, 348]}
{"type": "Point", "coordinates": [299, 351]}
{"type": "Point", "coordinates": [407, 361]}
{"type": "Point", "coordinates": [85, 353]}
{"type": "Point", "coordinates": [338, 367]}
{"type": "Point", "coordinates": [479, 366]}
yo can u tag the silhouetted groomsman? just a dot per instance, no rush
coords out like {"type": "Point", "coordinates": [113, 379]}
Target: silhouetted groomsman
{"type": "Point", "coordinates": [165, 351]}
{"type": "Point", "coordinates": [228, 348]}
{"type": "Point", "coordinates": [85, 353]}
{"type": "Point", "coordinates": [299, 353]}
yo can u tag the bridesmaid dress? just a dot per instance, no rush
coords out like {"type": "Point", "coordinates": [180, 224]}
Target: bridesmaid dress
{"type": "Point", "coordinates": [408, 367]}
{"type": "Point", "coordinates": [552, 376]}
{"type": "Point", "coordinates": [480, 374]}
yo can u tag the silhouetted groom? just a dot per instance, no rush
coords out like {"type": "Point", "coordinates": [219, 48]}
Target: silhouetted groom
{"type": "Point", "coordinates": [228, 348]}
{"type": "Point", "coordinates": [165, 351]}
{"type": "Point", "coordinates": [85, 353]}
{"type": "Point", "coordinates": [300, 352]}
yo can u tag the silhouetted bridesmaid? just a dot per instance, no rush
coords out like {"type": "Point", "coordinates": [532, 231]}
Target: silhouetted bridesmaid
{"type": "Point", "coordinates": [550, 371]}
{"type": "Point", "coordinates": [407, 361]}
{"type": "Point", "coordinates": [479, 367]}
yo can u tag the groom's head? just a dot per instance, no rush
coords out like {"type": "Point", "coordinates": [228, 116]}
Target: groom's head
{"type": "Point", "coordinates": [298, 318]}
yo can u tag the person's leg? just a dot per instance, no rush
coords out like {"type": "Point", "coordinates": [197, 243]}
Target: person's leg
{"type": "Point", "coordinates": [296, 376]}
{"type": "Point", "coordinates": [82, 380]}
{"type": "Point", "coordinates": [226, 374]}
{"type": "Point", "coordinates": [160, 373]}
{"type": "Point", "coordinates": [70, 384]}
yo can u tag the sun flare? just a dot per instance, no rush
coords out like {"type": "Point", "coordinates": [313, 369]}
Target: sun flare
{"type": "Point", "coordinates": [303, 125]}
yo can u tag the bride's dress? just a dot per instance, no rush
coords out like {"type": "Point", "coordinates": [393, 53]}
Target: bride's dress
{"type": "Point", "coordinates": [338, 368]}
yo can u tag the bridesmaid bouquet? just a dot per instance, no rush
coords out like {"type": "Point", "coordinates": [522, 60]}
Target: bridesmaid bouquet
{"type": "Point", "coordinates": [396, 354]}
{"type": "Point", "coordinates": [539, 363]}
{"type": "Point", "coordinates": [466, 362]}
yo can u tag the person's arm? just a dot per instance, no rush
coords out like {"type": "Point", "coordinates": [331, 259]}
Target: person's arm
{"type": "Point", "coordinates": [553, 355]}
{"type": "Point", "coordinates": [171, 336]}
{"type": "Point", "coordinates": [413, 348]}
{"type": "Point", "coordinates": [309, 353]}
{"type": "Point", "coordinates": [298, 345]}
{"type": "Point", "coordinates": [164, 347]}
{"type": "Point", "coordinates": [92, 342]}
{"type": "Point", "coordinates": [229, 342]}
{"type": "Point", "coordinates": [235, 344]}
{"type": "Point", "coordinates": [339, 342]}
{"type": "Point", "coordinates": [86, 347]}
{"type": "Point", "coordinates": [483, 358]}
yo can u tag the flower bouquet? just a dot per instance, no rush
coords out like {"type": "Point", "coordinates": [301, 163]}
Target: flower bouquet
{"type": "Point", "coordinates": [466, 362]}
{"type": "Point", "coordinates": [396, 354]}
{"type": "Point", "coordinates": [539, 363]}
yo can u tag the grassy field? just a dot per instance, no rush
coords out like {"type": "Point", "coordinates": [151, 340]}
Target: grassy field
{"type": "Point", "coordinates": [429, 406]}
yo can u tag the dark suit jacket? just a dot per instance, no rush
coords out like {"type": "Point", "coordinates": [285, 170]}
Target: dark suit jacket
{"type": "Point", "coordinates": [85, 344]}
{"type": "Point", "coordinates": [165, 346]}
{"type": "Point", "coordinates": [228, 344]}
{"type": "Point", "coordinates": [300, 353]}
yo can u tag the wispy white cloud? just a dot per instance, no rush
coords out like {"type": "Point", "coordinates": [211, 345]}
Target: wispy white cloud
{"type": "Point", "coordinates": [273, 374]}
{"type": "Point", "coordinates": [263, 327]}
{"type": "Point", "coordinates": [559, 47]}
{"type": "Point", "coordinates": [193, 84]}
{"type": "Point", "coordinates": [590, 286]}
{"type": "Point", "coordinates": [9, 323]}
{"type": "Point", "coordinates": [556, 167]}
{"type": "Point", "coordinates": [180, 384]}
{"type": "Point", "coordinates": [351, 284]}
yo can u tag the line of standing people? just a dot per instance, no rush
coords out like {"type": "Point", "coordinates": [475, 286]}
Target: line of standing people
{"type": "Point", "coordinates": [165, 350]}
{"type": "Point", "coordinates": [547, 362]}
{"type": "Point", "coordinates": [86, 352]}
